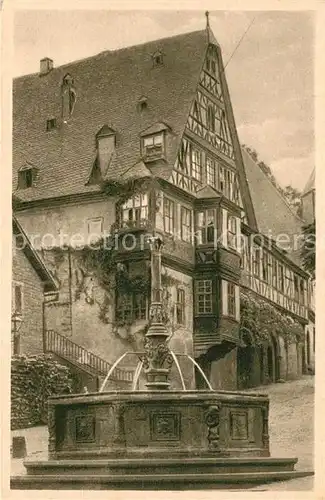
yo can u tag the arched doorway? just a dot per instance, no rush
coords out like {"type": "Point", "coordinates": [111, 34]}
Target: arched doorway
{"type": "Point", "coordinates": [273, 368]}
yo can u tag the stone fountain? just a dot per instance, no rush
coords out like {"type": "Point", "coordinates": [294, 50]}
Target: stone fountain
{"type": "Point", "coordinates": [157, 438]}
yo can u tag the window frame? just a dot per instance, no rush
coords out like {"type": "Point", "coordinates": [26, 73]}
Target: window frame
{"type": "Point", "coordinates": [155, 145]}
{"type": "Point", "coordinates": [231, 234]}
{"type": "Point", "coordinates": [20, 285]}
{"type": "Point", "coordinates": [187, 234]}
{"type": "Point", "coordinates": [94, 220]}
{"type": "Point", "coordinates": [231, 299]}
{"type": "Point", "coordinates": [134, 311]}
{"type": "Point", "coordinates": [180, 306]}
{"type": "Point", "coordinates": [134, 209]}
{"type": "Point", "coordinates": [204, 229]}
{"type": "Point", "coordinates": [256, 261]}
{"type": "Point", "coordinates": [206, 295]}
{"type": "Point", "coordinates": [26, 178]}
{"type": "Point", "coordinates": [281, 277]}
{"type": "Point", "coordinates": [170, 217]}
{"type": "Point", "coordinates": [211, 171]}
{"type": "Point", "coordinates": [196, 167]}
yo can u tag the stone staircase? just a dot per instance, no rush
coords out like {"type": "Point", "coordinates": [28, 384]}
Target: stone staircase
{"type": "Point", "coordinates": [83, 360]}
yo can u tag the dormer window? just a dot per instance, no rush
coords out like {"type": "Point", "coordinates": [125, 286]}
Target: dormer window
{"type": "Point", "coordinates": [106, 141]}
{"type": "Point", "coordinates": [26, 177]}
{"type": "Point", "coordinates": [153, 142]}
{"type": "Point", "coordinates": [153, 146]}
{"type": "Point", "coordinates": [157, 59]}
{"type": "Point", "coordinates": [69, 97]}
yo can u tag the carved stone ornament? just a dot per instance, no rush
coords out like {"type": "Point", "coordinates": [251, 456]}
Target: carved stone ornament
{"type": "Point", "coordinates": [265, 434]}
{"type": "Point", "coordinates": [157, 313]}
{"type": "Point", "coordinates": [51, 429]}
{"type": "Point", "coordinates": [212, 419]}
{"type": "Point", "coordinates": [156, 355]}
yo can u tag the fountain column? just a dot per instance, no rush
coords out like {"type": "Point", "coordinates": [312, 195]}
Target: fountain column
{"type": "Point", "coordinates": [157, 360]}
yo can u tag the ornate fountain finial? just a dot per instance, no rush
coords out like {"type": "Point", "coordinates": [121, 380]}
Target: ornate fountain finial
{"type": "Point", "coordinates": [157, 360]}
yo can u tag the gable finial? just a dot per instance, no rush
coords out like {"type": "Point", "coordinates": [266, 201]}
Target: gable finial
{"type": "Point", "coordinates": [207, 16]}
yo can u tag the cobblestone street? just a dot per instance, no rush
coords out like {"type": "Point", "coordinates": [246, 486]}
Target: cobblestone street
{"type": "Point", "coordinates": [291, 428]}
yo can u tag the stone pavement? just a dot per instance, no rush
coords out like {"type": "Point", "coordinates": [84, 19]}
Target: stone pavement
{"type": "Point", "coordinates": [291, 427]}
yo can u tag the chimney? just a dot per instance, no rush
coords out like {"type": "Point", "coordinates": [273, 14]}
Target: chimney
{"type": "Point", "coordinates": [46, 65]}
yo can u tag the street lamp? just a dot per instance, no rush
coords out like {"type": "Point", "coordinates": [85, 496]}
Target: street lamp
{"type": "Point", "coordinates": [16, 322]}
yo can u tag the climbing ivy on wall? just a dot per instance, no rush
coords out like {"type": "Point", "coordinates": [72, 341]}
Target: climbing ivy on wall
{"type": "Point", "coordinates": [261, 320]}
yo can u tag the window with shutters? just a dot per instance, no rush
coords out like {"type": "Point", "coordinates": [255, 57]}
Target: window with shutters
{"type": "Point", "coordinates": [203, 296]}
{"type": "Point", "coordinates": [180, 306]}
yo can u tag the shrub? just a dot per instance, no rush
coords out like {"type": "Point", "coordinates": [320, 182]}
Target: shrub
{"type": "Point", "coordinates": [33, 380]}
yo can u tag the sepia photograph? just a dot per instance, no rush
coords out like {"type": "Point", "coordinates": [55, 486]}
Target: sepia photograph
{"type": "Point", "coordinates": [163, 250]}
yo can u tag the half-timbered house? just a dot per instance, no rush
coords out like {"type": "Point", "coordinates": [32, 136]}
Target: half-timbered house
{"type": "Point", "coordinates": [157, 119]}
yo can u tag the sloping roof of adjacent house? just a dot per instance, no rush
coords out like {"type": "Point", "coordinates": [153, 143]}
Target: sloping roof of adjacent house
{"type": "Point", "coordinates": [274, 215]}
{"type": "Point", "coordinates": [108, 87]}
{"type": "Point", "coordinates": [50, 284]}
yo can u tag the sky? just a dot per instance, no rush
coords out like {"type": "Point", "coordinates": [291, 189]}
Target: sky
{"type": "Point", "coordinates": [270, 74]}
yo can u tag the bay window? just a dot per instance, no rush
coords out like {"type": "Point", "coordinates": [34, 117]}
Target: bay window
{"type": "Point", "coordinates": [203, 296]}
{"type": "Point", "coordinates": [135, 211]}
{"type": "Point", "coordinates": [206, 226]}
{"type": "Point", "coordinates": [186, 224]}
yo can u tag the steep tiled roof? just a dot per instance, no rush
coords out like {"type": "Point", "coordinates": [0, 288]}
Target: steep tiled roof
{"type": "Point", "coordinates": [273, 214]}
{"type": "Point", "coordinates": [108, 88]}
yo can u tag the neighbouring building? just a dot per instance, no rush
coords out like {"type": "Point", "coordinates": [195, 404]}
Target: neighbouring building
{"type": "Point", "coordinates": [144, 139]}
{"type": "Point", "coordinates": [308, 214]}
{"type": "Point", "coordinates": [32, 286]}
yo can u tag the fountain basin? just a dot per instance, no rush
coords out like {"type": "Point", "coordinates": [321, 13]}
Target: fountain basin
{"type": "Point", "coordinates": [158, 424]}
{"type": "Point", "coordinates": [157, 440]}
